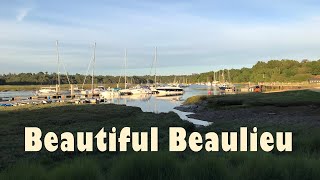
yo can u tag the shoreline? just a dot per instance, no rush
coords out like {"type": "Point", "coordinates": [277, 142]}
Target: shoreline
{"type": "Point", "coordinates": [257, 114]}
{"type": "Point", "coordinates": [61, 118]}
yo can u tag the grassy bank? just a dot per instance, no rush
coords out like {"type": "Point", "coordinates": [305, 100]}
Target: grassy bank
{"type": "Point", "coordinates": [302, 163]}
{"type": "Point", "coordinates": [282, 99]}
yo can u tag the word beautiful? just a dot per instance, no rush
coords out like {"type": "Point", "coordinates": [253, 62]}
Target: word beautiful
{"type": "Point", "coordinates": [143, 141]}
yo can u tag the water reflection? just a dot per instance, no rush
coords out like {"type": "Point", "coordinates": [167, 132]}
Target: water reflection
{"type": "Point", "coordinates": [152, 103]}
{"type": "Point", "coordinates": [11, 94]}
{"type": "Point", "coordinates": [147, 102]}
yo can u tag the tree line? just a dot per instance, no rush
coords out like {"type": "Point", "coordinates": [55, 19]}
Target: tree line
{"type": "Point", "coordinates": [271, 71]}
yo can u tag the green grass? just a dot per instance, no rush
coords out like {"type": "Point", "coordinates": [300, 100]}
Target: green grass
{"type": "Point", "coordinates": [164, 165]}
{"type": "Point", "coordinates": [75, 118]}
{"type": "Point", "coordinates": [196, 99]}
{"type": "Point", "coordinates": [302, 163]}
{"type": "Point", "coordinates": [281, 99]}
{"type": "Point", "coordinates": [19, 87]}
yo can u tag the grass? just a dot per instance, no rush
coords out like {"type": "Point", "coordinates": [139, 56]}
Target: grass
{"type": "Point", "coordinates": [280, 99]}
{"type": "Point", "coordinates": [302, 163]}
{"type": "Point", "coordinates": [164, 165]}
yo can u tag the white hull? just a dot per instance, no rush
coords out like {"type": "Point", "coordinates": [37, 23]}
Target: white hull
{"type": "Point", "coordinates": [109, 94]}
{"type": "Point", "coordinates": [140, 91]}
{"type": "Point", "coordinates": [96, 91]}
{"type": "Point", "coordinates": [47, 91]}
{"type": "Point", "coordinates": [169, 91]}
{"type": "Point", "coordinates": [124, 92]}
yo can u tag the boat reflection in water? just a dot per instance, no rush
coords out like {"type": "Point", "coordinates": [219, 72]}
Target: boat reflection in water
{"type": "Point", "coordinates": [161, 104]}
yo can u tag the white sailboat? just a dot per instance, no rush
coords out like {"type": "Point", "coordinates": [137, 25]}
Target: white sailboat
{"type": "Point", "coordinates": [227, 86]}
{"type": "Point", "coordinates": [154, 87]}
{"type": "Point", "coordinates": [52, 90]}
{"type": "Point", "coordinates": [93, 91]}
{"type": "Point", "coordinates": [125, 91]}
{"type": "Point", "coordinates": [135, 90]}
{"type": "Point", "coordinates": [167, 90]}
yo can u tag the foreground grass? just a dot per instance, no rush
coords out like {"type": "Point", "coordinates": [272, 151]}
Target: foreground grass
{"type": "Point", "coordinates": [281, 99]}
{"type": "Point", "coordinates": [74, 118]}
{"type": "Point", "coordinates": [302, 163]}
{"type": "Point", "coordinates": [164, 165]}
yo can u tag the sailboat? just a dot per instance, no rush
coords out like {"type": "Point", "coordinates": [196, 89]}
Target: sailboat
{"type": "Point", "coordinates": [167, 90]}
{"type": "Point", "coordinates": [153, 87]}
{"type": "Point", "coordinates": [135, 90]}
{"type": "Point", "coordinates": [185, 83]}
{"type": "Point", "coordinates": [227, 86]}
{"type": "Point", "coordinates": [125, 91]}
{"type": "Point", "coordinates": [93, 91]}
{"type": "Point", "coordinates": [52, 90]}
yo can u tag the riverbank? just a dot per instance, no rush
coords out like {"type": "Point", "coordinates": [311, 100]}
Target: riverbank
{"type": "Point", "coordinates": [17, 164]}
{"type": "Point", "coordinates": [279, 107]}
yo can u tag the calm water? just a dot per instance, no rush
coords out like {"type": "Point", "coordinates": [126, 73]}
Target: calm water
{"type": "Point", "coordinates": [151, 103]}
{"type": "Point", "coordinates": [11, 94]}
{"type": "Point", "coordinates": [147, 103]}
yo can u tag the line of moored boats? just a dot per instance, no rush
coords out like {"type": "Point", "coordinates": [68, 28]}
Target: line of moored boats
{"type": "Point", "coordinates": [108, 93]}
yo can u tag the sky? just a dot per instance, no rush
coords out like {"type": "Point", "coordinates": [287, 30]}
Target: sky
{"type": "Point", "coordinates": [191, 36]}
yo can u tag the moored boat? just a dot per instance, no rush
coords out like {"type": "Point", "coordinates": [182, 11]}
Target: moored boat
{"type": "Point", "coordinates": [110, 93]}
{"type": "Point", "coordinates": [140, 90]}
{"type": "Point", "coordinates": [47, 91]}
{"type": "Point", "coordinates": [169, 91]}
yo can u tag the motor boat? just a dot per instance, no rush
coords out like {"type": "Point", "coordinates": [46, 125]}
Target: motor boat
{"type": "Point", "coordinates": [169, 91]}
{"type": "Point", "coordinates": [109, 93]}
{"type": "Point", "coordinates": [47, 91]}
{"type": "Point", "coordinates": [95, 92]}
{"type": "Point", "coordinates": [140, 90]}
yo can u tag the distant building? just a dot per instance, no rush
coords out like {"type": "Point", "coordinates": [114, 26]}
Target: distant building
{"type": "Point", "coordinates": [314, 80]}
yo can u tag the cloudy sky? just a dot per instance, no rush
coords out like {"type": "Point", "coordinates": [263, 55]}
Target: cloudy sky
{"type": "Point", "coordinates": [191, 36]}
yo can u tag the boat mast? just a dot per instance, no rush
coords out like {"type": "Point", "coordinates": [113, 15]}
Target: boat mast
{"type": "Point", "coordinates": [155, 67]}
{"type": "Point", "coordinates": [58, 58]}
{"type": "Point", "coordinates": [125, 68]}
{"type": "Point", "coordinates": [223, 78]}
{"type": "Point", "coordinates": [93, 66]}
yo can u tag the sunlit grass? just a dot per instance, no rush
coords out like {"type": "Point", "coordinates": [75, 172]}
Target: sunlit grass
{"type": "Point", "coordinates": [282, 99]}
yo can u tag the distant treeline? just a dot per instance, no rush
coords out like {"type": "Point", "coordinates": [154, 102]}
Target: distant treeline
{"type": "Point", "coordinates": [271, 71]}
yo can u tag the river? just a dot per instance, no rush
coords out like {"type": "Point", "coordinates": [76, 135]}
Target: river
{"type": "Point", "coordinates": [147, 103]}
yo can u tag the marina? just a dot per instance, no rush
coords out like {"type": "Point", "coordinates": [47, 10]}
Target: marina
{"type": "Point", "coordinates": [147, 102]}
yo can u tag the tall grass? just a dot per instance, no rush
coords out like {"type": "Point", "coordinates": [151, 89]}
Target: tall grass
{"type": "Point", "coordinates": [145, 166]}
{"type": "Point", "coordinates": [25, 170]}
{"type": "Point", "coordinates": [164, 165]}
{"type": "Point", "coordinates": [80, 169]}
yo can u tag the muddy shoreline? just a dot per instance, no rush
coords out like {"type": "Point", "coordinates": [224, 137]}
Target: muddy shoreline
{"type": "Point", "coordinates": [258, 114]}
